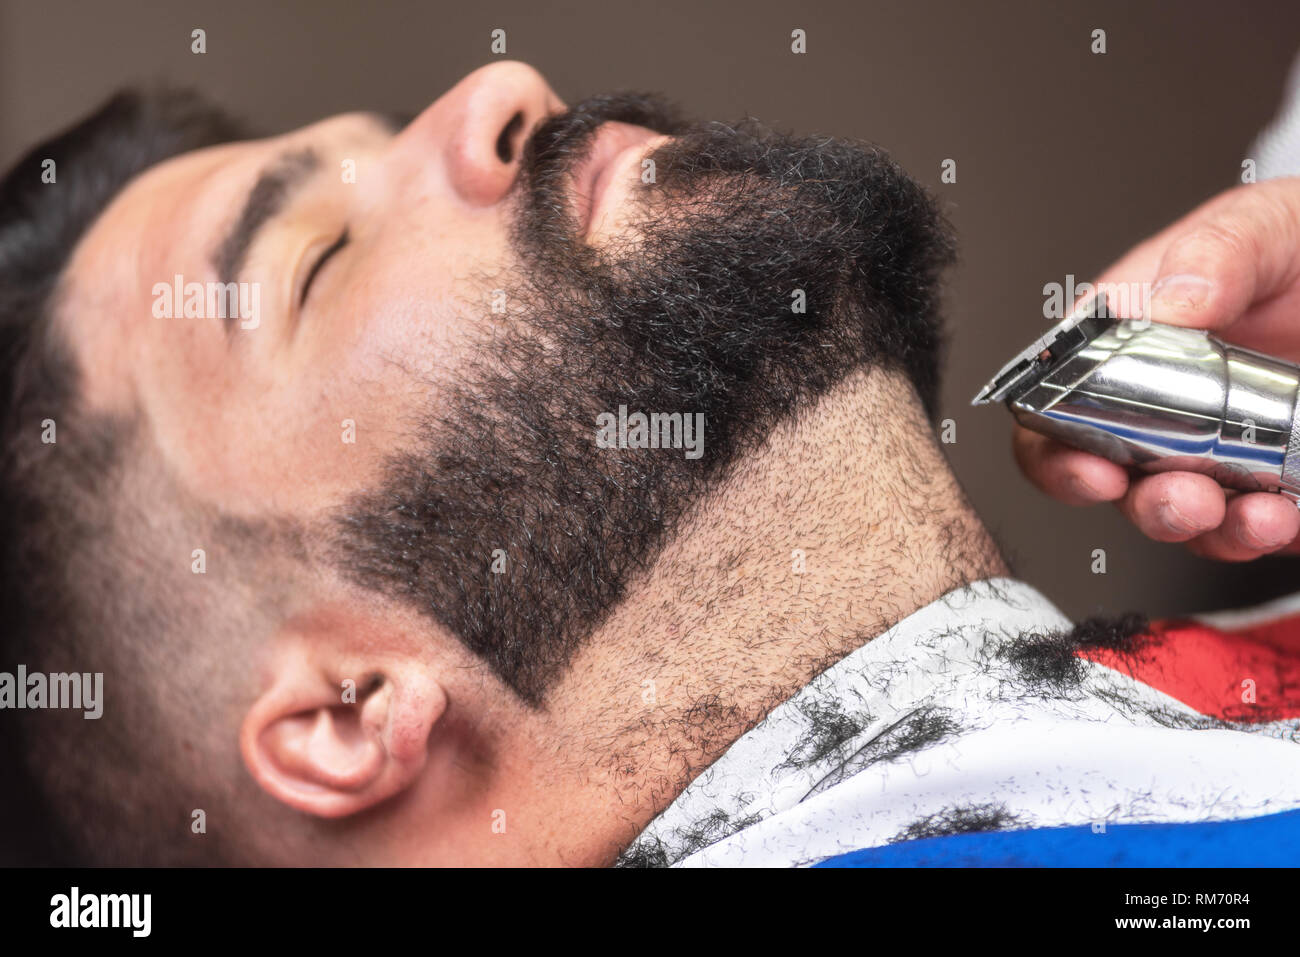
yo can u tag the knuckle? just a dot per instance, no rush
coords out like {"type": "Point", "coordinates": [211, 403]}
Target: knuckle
{"type": "Point", "coordinates": [1228, 236]}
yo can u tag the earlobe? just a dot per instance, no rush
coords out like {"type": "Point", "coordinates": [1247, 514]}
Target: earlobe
{"type": "Point", "coordinates": [324, 745]}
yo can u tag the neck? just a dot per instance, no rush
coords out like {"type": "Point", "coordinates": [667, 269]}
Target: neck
{"type": "Point", "coordinates": [846, 521]}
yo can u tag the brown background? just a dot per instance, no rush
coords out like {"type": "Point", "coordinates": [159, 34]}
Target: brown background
{"type": "Point", "coordinates": [1064, 158]}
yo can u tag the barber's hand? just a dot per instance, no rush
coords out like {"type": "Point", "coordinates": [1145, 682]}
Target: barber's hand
{"type": "Point", "coordinates": [1231, 266]}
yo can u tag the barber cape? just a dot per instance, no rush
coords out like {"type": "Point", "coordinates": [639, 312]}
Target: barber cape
{"type": "Point", "coordinates": [984, 729]}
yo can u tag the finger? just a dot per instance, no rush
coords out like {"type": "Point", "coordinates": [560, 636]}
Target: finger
{"type": "Point", "coordinates": [1139, 265]}
{"type": "Point", "coordinates": [1131, 272]}
{"type": "Point", "coordinates": [1174, 506]}
{"type": "Point", "coordinates": [1255, 524]}
{"type": "Point", "coordinates": [1291, 548]}
{"type": "Point", "coordinates": [1067, 474]}
{"type": "Point", "coordinates": [1243, 250]}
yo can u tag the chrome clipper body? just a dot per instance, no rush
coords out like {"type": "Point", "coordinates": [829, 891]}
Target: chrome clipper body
{"type": "Point", "coordinates": [1159, 398]}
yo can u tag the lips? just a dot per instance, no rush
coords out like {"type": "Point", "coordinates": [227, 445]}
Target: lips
{"type": "Point", "coordinates": [614, 149]}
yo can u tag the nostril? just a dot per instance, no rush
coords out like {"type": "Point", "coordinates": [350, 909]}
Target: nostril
{"type": "Point", "coordinates": [505, 142]}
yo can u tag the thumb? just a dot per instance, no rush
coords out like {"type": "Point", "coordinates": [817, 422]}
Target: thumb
{"type": "Point", "coordinates": [1242, 250]}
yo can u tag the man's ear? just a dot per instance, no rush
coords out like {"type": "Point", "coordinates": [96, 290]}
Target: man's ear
{"type": "Point", "coordinates": [336, 731]}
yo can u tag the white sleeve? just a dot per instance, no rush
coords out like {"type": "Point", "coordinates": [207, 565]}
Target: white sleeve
{"type": "Point", "coordinates": [1276, 151]}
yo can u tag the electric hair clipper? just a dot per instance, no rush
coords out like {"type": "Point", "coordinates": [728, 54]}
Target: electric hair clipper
{"type": "Point", "coordinates": [1159, 398]}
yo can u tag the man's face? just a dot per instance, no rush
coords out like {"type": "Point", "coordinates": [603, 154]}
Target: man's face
{"type": "Point", "coordinates": [252, 418]}
{"type": "Point", "coordinates": [435, 385]}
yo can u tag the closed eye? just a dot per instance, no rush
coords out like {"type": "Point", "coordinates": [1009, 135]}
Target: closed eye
{"type": "Point", "coordinates": [324, 258]}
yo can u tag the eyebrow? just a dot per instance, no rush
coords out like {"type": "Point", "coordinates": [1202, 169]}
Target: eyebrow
{"type": "Point", "coordinates": [268, 197]}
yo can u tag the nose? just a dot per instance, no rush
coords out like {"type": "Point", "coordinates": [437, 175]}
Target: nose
{"type": "Point", "coordinates": [489, 114]}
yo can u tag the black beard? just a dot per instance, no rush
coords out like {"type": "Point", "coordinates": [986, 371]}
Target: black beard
{"type": "Point", "coordinates": [694, 313]}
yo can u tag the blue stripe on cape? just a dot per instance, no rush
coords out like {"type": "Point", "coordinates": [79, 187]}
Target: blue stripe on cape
{"type": "Point", "coordinates": [1269, 841]}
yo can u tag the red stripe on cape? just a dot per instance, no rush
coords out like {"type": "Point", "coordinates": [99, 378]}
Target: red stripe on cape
{"type": "Point", "coordinates": [1249, 674]}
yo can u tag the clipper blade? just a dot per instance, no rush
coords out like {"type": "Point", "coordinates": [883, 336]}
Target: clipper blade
{"type": "Point", "coordinates": [1047, 351]}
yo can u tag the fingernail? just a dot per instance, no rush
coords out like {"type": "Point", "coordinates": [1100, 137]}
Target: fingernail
{"type": "Point", "coordinates": [1083, 489]}
{"type": "Point", "coordinates": [1256, 538]}
{"type": "Point", "coordinates": [1178, 295]}
{"type": "Point", "coordinates": [1175, 520]}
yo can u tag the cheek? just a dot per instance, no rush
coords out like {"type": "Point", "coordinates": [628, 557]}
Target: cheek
{"type": "Point", "coordinates": [303, 428]}
{"type": "Point", "coordinates": [396, 336]}
{"type": "Point", "coordinates": [388, 349]}
{"type": "Point", "coordinates": [412, 311]}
